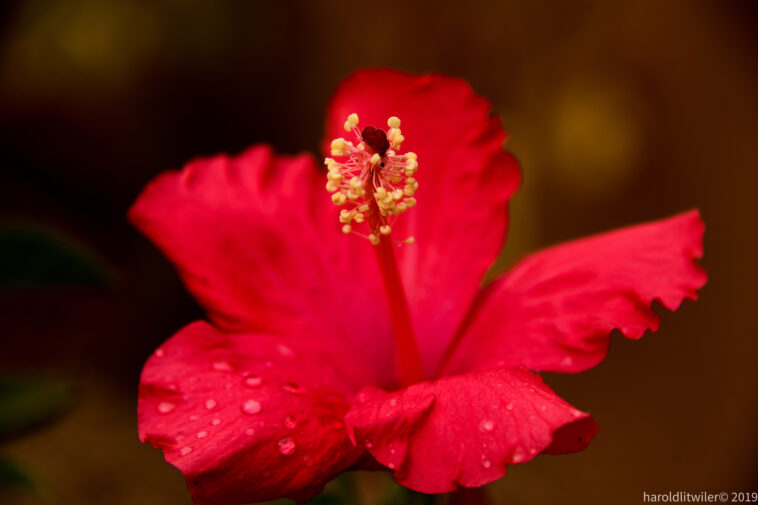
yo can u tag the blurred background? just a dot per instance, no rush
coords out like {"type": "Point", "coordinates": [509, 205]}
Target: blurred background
{"type": "Point", "coordinates": [619, 112]}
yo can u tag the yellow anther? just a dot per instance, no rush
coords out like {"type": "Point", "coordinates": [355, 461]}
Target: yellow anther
{"type": "Point", "coordinates": [388, 173]}
{"type": "Point", "coordinates": [338, 147]}
{"type": "Point", "coordinates": [410, 240]}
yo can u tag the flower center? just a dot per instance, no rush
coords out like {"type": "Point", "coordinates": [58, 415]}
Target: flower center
{"type": "Point", "coordinates": [371, 180]}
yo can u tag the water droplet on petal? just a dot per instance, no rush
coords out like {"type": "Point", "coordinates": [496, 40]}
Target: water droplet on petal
{"type": "Point", "coordinates": [369, 444]}
{"type": "Point", "coordinates": [290, 423]}
{"type": "Point", "coordinates": [253, 381]}
{"type": "Point", "coordinates": [391, 466]}
{"type": "Point", "coordinates": [486, 463]}
{"type": "Point", "coordinates": [286, 446]}
{"type": "Point", "coordinates": [180, 438]}
{"type": "Point", "coordinates": [202, 434]}
{"type": "Point", "coordinates": [159, 352]}
{"type": "Point", "coordinates": [165, 407]}
{"type": "Point", "coordinates": [532, 451]}
{"type": "Point", "coordinates": [393, 402]}
{"type": "Point", "coordinates": [251, 407]}
{"type": "Point", "coordinates": [293, 389]}
{"type": "Point", "coordinates": [518, 457]}
{"type": "Point", "coordinates": [210, 404]}
{"type": "Point", "coordinates": [567, 361]}
{"type": "Point", "coordinates": [249, 431]}
{"type": "Point", "coordinates": [285, 351]}
{"type": "Point", "coordinates": [509, 406]}
{"type": "Point", "coordinates": [222, 366]}
{"type": "Point", "coordinates": [185, 450]}
{"type": "Point", "coordinates": [486, 425]}
{"type": "Point", "coordinates": [216, 421]}
{"type": "Point", "coordinates": [194, 417]}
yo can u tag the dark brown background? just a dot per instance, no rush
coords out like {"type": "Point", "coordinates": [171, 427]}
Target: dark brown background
{"type": "Point", "coordinates": [619, 112]}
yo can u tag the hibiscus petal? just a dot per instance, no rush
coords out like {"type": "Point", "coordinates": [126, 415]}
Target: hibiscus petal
{"type": "Point", "coordinates": [256, 239]}
{"type": "Point", "coordinates": [555, 309]}
{"type": "Point", "coordinates": [245, 417]}
{"type": "Point", "coordinates": [465, 177]}
{"type": "Point", "coordinates": [464, 430]}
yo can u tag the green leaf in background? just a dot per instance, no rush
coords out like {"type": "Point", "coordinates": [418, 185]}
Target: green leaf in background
{"type": "Point", "coordinates": [26, 403]}
{"type": "Point", "coordinates": [33, 256]}
{"type": "Point", "coordinates": [13, 478]}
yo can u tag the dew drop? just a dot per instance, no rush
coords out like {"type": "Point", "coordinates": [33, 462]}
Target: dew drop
{"type": "Point", "coordinates": [216, 421]}
{"type": "Point", "coordinates": [290, 423]}
{"type": "Point", "coordinates": [222, 366]}
{"type": "Point", "coordinates": [293, 389]}
{"type": "Point", "coordinates": [253, 381]}
{"type": "Point", "coordinates": [165, 407]}
{"type": "Point", "coordinates": [251, 407]}
{"type": "Point", "coordinates": [250, 431]}
{"type": "Point", "coordinates": [185, 450]}
{"type": "Point", "coordinates": [159, 352]}
{"type": "Point", "coordinates": [518, 457]}
{"type": "Point", "coordinates": [202, 434]}
{"type": "Point", "coordinates": [180, 438]}
{"type": "Point", "coordinates": [393, 402]}
{"type": "Point", "coordinates": [210, 404]}
{"type": "Point", "coordinates": [194, 417]}
{"type": "Point", "coordinates": [391, 466]}
{"type": "Point", "coordinates": [285, 351]}
{"type": "Point", "coordinates": [532, 451]}
{"type": "Point", "coordinates": [369, 444]}
{"type": "Point", "coordinates": [567, 361]}
{"type": "Point", "coordinates": [486, 463]}
{"type": "Point", "coordinates": [486, 425]}
{"type": "Point", "coordinates": [509, 406]}
{"type": "Point", "coordinates": [286, 446]}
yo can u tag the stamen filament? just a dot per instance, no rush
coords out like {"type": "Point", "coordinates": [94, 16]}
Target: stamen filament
{"type": "Point", "coordinates": [409, 360]}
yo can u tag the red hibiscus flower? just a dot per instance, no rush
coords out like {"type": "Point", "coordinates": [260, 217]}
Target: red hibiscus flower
{"type": "Point", "coordinates": [314, 360]}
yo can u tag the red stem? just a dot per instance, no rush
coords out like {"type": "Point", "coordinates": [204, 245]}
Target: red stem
{"type": "Point", "coordinates": [409, 360]}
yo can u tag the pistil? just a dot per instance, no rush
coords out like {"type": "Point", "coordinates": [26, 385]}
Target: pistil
{"type": "Point", "coordinates": [375, 184]}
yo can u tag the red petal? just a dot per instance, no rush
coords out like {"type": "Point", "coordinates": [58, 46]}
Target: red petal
{"type": "Point", "coordinates": [245, 417]}
{"type": "Point", "coordinates": [465, 177]}
{"type": "Point", "coordinates": [257, 241]}
{"type": "Point", "coordinates": [464, 430]}
{"type": "Point", "coordinates": [555, 309]}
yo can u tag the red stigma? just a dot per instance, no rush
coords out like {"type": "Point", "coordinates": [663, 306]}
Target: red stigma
{"type": "Point", "coordinates": [376, 139]}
